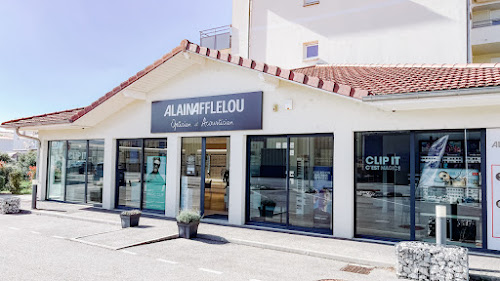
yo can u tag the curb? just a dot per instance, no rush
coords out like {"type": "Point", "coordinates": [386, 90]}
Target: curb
{"type": "Point", "coordinates": [49, 214]}
{"type": "Point", "coordinates": [297, 251]}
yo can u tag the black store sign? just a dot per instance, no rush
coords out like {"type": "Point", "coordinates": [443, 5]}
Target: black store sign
{"type": "Point", "coordinates": [215, 113]}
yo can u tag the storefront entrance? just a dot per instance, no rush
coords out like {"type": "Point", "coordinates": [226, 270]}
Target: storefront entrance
{"type": "Point", "coordinates": [205, 176]}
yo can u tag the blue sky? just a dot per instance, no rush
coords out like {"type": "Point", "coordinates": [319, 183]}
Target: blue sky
{"type": "Point", "coordinates": [63, 54]}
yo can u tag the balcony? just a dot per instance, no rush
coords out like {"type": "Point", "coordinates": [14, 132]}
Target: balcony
{"type": "Point", "coordinates": [218, 38]}
{"type": "Point", "coordinates": [485, 32]}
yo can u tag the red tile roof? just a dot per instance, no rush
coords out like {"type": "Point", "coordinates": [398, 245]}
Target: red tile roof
{"type": "Point", "coordinates": [400, 79]}
{"type": "Point", "coordinates": [59, 117]}
{"type": "Point", "coordinates": [354, 81]}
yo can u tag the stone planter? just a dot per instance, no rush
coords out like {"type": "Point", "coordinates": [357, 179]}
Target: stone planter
{"type": "Point", "coordinates": [188, 230]}
{"type": "Point", "coordinates": [130, 221]}
{"type": "Point", "coordinates": [10, 205]}
{"type": "Point", "coordinates": [424, 261]}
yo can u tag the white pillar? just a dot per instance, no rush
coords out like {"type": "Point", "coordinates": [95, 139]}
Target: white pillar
{"type": "Point", "coordinates": [343, 184]}
{"type": "Point", "coordinates": [239, 28]}
{"type": "Point", "coordinates": [109, 172]}
{"type": "Point", "coordinates": [172, 200]}
{"type": "Point", "coordinates": [42, 170]}
{"type": "Point", "coordinates": [237, 179]}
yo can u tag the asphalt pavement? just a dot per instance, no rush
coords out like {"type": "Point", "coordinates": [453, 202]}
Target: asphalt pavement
{"type": "Point", "coordinates": [77, 242]}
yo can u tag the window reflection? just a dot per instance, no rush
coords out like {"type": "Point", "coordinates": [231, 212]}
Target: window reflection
{"type": "Point", "coordinates": [56, 170]}
{"type": "Point", "coordinates": [450, 174]}
{"type": "Point", "coordinates": [298, 194]}
{"type": "Point", "coordinates": [383, 185]}
{"type": "Point", "coordinates": [129, 173]}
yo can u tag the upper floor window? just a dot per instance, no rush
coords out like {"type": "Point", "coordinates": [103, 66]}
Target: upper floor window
{"type": "Point", "coordinates": [310, 2]}
{"type": "Point", "coordinates": [311, 50]}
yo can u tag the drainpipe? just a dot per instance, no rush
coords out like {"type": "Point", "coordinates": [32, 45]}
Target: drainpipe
{"type": "Point", "coordinates": [35, 184]}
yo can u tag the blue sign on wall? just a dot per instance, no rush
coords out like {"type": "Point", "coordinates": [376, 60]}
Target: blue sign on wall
{"type": "Point", "coordinates": [215, 113]}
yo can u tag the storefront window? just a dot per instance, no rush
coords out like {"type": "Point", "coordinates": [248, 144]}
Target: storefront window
{"type": "Point", "coordinates": [155, 174]}
{"type": "Point", "coordinates": [95, 171]}
{"type": "Point", "coordinates": [449, 172]}
{"type": "Point", "coordinates": [76, 168]}
{"type": "Point", "coordinates": [310, 177]}
{"type": "Point", "coordinates": [129, 173]}
{"type": "Point", "coordinates": [297, 194]}
{"type": "Point", "coordinates": [142, 174]}
{"type": "Point", "coordinates": [56, 176]}
{"type": "Point", "coordinates": [75, 171]}
{"type": "Point", "coordinates": [268, 193]}
{"type": "Point", "coordinates": [191, 173]}
{"type": "Point", "coordinates": [383, 185]}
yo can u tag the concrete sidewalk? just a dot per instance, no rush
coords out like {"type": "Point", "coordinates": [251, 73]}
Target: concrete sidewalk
{"type": "Point", "coordinates": [159, 228]}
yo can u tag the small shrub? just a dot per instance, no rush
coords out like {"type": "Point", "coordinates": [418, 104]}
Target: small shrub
{"type": "Point", "coordinates": [4, 157]}
{"type": "Point", "coordinates": [188, 216]}
{"type": "Point", "coordinates": [131, 212]}
{"type": "Point", "coordinates": [15, 178]}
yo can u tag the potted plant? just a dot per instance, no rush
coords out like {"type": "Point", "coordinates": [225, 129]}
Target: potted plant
{"type": "Point", "coordinates": [267, 208]}
{"type": "Point", "coordinates": [188, 221]}
{"type": "Point", "coordinates": [130, 218]}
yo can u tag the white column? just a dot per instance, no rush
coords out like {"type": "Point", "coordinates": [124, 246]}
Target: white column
{"type": "Point", "coordinates": [237, 179]}
{"type": "Point", "coordinates": [172, 200]}
{"type": "Point", "coordinates": [239, 28]}
{"type": "Point", "coordinates": [109, 172]}
{"type": "Point", "coordinates": [42, 170]}
{"type": "Point", "coordinates": [343, 184]}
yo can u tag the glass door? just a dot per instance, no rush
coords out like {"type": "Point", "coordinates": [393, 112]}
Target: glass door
{"type": "Point", "coordinates": [205, 176]}
{"type": "Point", "coordinates": [76, 171]}
{"type": "Point", "coordinates": [216, 185]}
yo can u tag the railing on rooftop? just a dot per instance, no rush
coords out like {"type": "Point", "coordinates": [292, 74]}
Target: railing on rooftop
{"type": "Point", "coordinates": [484, 23]}
{"type": "Point", "coordinates": [217, 38]}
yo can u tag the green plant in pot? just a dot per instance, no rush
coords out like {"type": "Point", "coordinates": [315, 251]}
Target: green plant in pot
{"type": "Point", "coordinates": [130, 218]}
{"type": "Point", "coordinates": [267, 207]}
{"type": "Point", "coordinates": [188, 221]}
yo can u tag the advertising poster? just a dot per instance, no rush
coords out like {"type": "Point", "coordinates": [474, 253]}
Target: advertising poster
{"type": "Point", "coordinates": [323, 194]}
{"type": "Point", "coordinates": [154, 189]}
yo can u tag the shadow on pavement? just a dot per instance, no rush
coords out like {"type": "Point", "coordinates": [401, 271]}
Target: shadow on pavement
{"type": "Point", "coordinates": [211, 239]}
{"type": "Point", "coordinates": [52, 210]}
{"type": "Point", "coordinates": [143, 226]}
{"type": "Point", "coordinates": [21, 212]}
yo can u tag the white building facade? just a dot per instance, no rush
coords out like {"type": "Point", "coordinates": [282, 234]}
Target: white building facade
{"type": "Point", "coordinates": [277, 148]}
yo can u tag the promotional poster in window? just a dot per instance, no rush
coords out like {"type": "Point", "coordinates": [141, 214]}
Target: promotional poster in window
{"type": "Point", "coordinates": [156, 172]}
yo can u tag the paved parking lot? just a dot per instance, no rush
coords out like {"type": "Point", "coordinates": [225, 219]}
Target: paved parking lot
{"type": "Point", "coordinates": [39, 247]}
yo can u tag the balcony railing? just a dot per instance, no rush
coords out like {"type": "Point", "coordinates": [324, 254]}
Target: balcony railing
{"type": "Point", "coordinates": [484, 23]}
{"type": "Point", "coordinates": [217, 38]}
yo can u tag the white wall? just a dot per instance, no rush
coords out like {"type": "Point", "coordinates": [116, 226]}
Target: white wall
{"type": "Point", "coordinates": [357, 31]}
{"type": "Point", "coordinates": [314, 111]}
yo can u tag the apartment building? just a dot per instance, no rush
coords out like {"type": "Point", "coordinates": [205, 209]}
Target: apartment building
{"type": "Point", "coordinates": [485, 32]}
{"type": "Point", "coordinates": [294, 34]}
